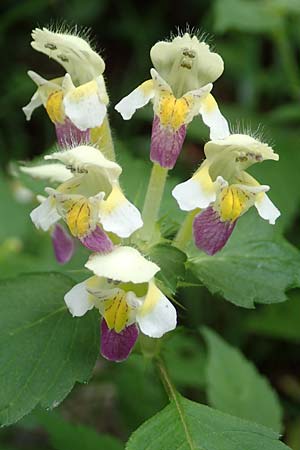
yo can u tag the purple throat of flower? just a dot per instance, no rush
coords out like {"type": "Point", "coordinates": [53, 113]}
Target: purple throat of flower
{"type": "Point", "coordinates": [68, 135]}
{"type": "Point", "coordinates": [98, 241]}
{"type": "Point", "coordinates": [63, 244]}
{"type": "Point", "coordinates": [166, 143]}
{"type": "Point", "coordinates": [117, 346]}
{"type": "Point", "coordinates": [210, 232]}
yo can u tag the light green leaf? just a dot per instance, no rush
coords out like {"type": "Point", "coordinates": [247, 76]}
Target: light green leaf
{"type": "Point", "coordinates": [187, 425]}
{"type": "Point", "coordinates": [68, 436]}
{"type": "Point", "coordinates": [277, 321]}
{"type": "Point", "coordinates": [255, 266]}
{"type": "Point", "coordinates": [235, 386]}
{"type": "Point", "coordinates": [43, 349]}
{"type": "Point", "coordinates": [172, 266]}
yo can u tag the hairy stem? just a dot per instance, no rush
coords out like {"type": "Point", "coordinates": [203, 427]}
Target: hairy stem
{"type": "Point", "coordinates": [185, 232]}
{"type": "Point", "coordinates": [153, 200]}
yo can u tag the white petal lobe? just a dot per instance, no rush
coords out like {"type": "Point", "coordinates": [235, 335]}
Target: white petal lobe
{"type": "Point", "coordinates": [138, 98]}
{"type": "Point", "coordinates": [45, 215]}
{"type": "Point", "coordinates": [78, 300]}
{"type": "Point", "coordinates": [52, 172]}
{"type": "Point", "coordinates": [123, 264]}
{"type": "Point", "coordinates": [158, 316]}
{"type": "Point", "coordinates": [191, 195]}
{"type": "Point", "coordinates": [266, 209]}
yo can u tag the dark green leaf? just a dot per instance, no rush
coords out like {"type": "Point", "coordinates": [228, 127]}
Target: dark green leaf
{"type": "Point", "coordinates": [235, 386]}
{"type": "Point", "coordinates": [68, 436]}
{"type": "Point", "coordinates": [277, 321]}
{"type": "Point", "coordinates": [172, 265]}
{"type": "Point", "coordinates": [43, 349]}
{"type": "Point", "coordinates": [186, 425]}
{"type": "Point", "coordinates": [185, 359]}
{"type": "Point", "coordinates": [255, 266]}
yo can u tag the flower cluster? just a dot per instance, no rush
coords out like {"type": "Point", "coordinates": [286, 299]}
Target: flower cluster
{"type": "Point", "coordinates": [85, 201]}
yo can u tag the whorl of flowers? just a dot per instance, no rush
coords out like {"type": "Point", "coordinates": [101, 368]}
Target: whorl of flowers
{"type": "Point", "coordinates": [84, 200]}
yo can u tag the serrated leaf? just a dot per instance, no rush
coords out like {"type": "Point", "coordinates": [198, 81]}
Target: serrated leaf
{"type": "Point", "coordinates": [68, 436]}
{"type": "Point", "coordinates": [256, 265]}
{"type": "Point", "coordinates": [43, 349]}
{"type": "Point", "coordinates": [171, 261]}
{"type": "Point", "coordinates": [187, 425]}
{"type": "Point", "coordinates": [277, 321]}
{"type": "Point", "coordinates": [235, 386]}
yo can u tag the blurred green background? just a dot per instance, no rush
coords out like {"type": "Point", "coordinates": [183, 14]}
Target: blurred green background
{"type": "Point", "coordinates": [259, 92]}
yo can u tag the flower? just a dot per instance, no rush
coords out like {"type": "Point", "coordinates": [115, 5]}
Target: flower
{"type": "Point", "coordinates": [223, 189]}
{"type": "Point", "coordinates": [184, 70]}
{"type": "Point", "coordinates": [124, 291]}
{"type": "Point", "coordinates": [90, 201]}
{"type": "Point", "coordinates": [76, 103]}
{"type": "Point", "coordinates": [63, 244]}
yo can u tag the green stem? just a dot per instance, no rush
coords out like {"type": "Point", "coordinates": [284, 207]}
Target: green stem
{"type": "Point", "coordinates": [175, 398]}
{"type": "Point", "coordinates": [153, 200]}
{"type": "Point", "coordinates": [150, 347]}
{"type": "Point", "coordinates": [184, 234]}
{"type": "Point", "coordinates": [288, 60]}
{"type": "Point", "coordinates": [164, 376]}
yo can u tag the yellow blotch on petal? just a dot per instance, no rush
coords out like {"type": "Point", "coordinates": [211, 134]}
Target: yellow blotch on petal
{"type": "Point", "coordinates": [78, 217]}
{"type": "Point", "coordinates": [84, 91]}
{"type": "Point", "coordinates": [152, 297]}
{"type": "Point", "coordinates": [146, 87]}
{"type": "Point", "coordinates": [54, 107]}
{"type": "Point", "coordinates": [173, 111]}
{"type": "Point", "coordinates": [115, 199]}
{"type": "Point", "coordinates": [233, 203]}
{"type": "Point", "coordinates": [209, 103]}
{"type": "Point", "coordinates": [116, 312]}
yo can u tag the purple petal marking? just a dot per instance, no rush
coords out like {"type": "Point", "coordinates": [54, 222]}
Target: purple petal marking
{"type": "Point", "coordinates": [98, 241]}
{"type": "Point", "coordinates": [166, 143]}
{"type": "Point", "coordinates": [117, 346]}
{"type": "Point", "coordinates": [68, 135]}
{"type": "Point", "coordinates": [63, 244]}
{"type": "Point", "coordinates": [210, 233]}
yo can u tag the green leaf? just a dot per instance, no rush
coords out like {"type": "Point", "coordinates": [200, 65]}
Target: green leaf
{"type": "Point", "coordinates": [251, 16]}
{"type": "Point", "coordinates": [43, 349]}
{"type": "Point", "coordinates": [185, 359]}
{"type": "Point", "coordinates": [68, 436]}
{"type": "Point", "coordinates": [235, 386]}
{"type": "Point", "coordinates": [277, 321]}
{"type": "Point", "coordinates": [171, 261]}
{"type": "Point", "coordinates": [255, 266]}
{"type": "Point", "coordinates": [139, 392]}
{"type": "Point", "coordinates": [187, 425]}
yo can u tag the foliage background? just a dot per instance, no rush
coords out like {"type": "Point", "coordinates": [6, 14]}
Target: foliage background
{"type": "Point", "coordinates": [259, 91]}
